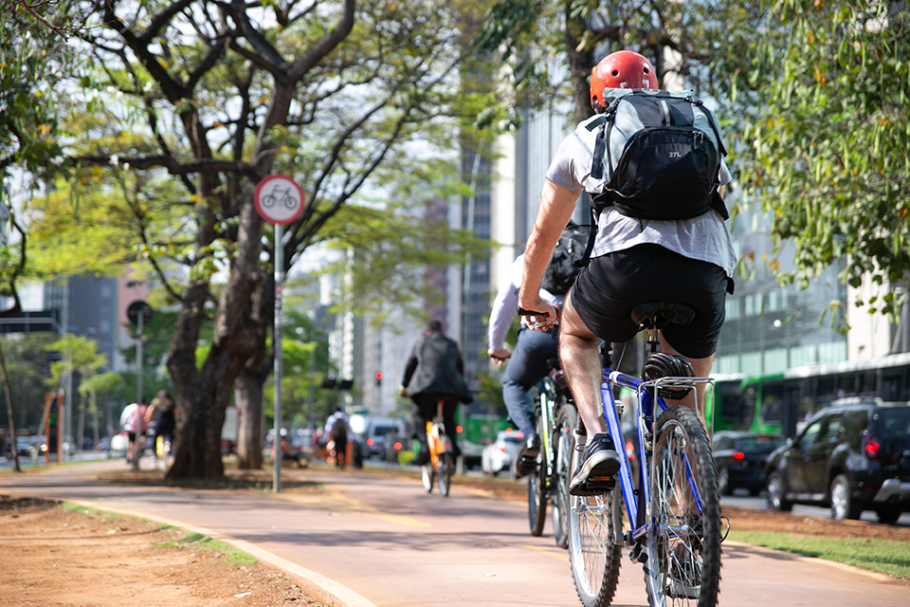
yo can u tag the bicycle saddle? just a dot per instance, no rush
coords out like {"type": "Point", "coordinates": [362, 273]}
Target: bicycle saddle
{"type": "Point", "coordinates": [658, 314]}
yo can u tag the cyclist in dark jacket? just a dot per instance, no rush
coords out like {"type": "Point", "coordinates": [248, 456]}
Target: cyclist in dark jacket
{"type": "Point", "coordinates": [434, 372]}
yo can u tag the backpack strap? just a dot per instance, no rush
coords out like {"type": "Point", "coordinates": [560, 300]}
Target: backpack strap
{"type": "Point", "coordinates": [711, 120]}
{"type": "Point", "coordinates": [592, 234]}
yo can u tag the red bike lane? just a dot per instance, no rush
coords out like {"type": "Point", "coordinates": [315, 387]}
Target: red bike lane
{"type": "Point", "coordinates": [377, 541]}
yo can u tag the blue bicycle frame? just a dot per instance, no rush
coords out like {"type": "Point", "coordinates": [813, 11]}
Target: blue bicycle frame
{"type": "Point", "coordinates": [638, 502]}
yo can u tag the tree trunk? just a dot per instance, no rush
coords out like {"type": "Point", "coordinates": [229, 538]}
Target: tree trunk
{"type": "Point", "coordinates": [203, 397]}
{"type": "Point", "coordinates": [248, 398]}
{"type": "Point", "coordinates": [249, 384]}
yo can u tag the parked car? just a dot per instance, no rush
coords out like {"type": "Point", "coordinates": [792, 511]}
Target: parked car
{"type": "Point", "coordinates": [25, 447]}
{"type": "Point", "coordinates": [854, 457]}
{"type": "Point", "coordinates": [740, 458]}
{"type": "Point", "coordinates": [499, 455]}
{"type": "Point", "coordinates": [376, 433]}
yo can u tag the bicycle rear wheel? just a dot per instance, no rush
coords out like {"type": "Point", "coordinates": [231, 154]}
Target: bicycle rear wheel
{"type": "Point", "coordinates": [564, 443]}
{"type": "Point", "coordinates": [683, 565]}
{"type": "Point", "coordinates": [537, 492]}
{"type": "Point", "coordinates": [444, 474]}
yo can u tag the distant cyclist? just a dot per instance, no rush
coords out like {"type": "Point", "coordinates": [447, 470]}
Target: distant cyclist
{"type": "Point", "coordinates": [634, 261]}
{"type": "Point", "coordinates": [161, 416]}
{"type": "Point", "coordinates": [433, 373]}
{"type": "Point", "coordinates": [132, 420]}
{"type": "Point", "coordinates": [336, 428]}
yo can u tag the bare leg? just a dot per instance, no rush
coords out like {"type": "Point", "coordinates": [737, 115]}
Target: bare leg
{"type": "Point", "coordinates": [581, 363]}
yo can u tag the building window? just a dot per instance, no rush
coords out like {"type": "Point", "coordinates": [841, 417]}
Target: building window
{"type": "Point", "coordinates": [775, 361]}
{"type": "Point", "coordinates": [751, 363]}
{"type": "Point", "coordinates": [732, 308]}
{"type": "Point", "coordinates": [803, 355]}
{"type": "Point", "coordinates": [728, 364]}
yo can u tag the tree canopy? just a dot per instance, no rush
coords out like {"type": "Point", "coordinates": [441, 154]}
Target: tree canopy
{"type": "Point", "coordinates": [827, 152]}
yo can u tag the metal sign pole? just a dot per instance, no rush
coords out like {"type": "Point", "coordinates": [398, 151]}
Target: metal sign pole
{"type": "Point", "coordinates": [278, 200]}
{"type": "Point", "coordinates": [139, 360]}
{"type": "Point", "coordinates": [276, 341]}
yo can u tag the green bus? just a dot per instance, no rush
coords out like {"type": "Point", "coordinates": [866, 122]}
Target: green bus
{"type": "Point", "coordinates": [779, 403]}
{"type": "Point", "coordinates": [475, 431]}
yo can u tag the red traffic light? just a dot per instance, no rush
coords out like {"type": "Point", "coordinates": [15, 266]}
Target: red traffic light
{"type": "Point", "coordinates": [378, 375]}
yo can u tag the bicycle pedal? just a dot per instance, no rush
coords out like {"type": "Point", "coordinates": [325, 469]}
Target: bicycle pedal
{"type": "Point", "coordinates": [594, 486]}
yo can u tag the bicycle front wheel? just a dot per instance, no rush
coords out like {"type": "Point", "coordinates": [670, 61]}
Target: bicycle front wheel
{"type": "Point", "coordinates": [537, 492]}
{"type": "Point", "coordinates": [683, 564]}
{"type": "Point", "coordinates": [426, 473]}
{"type": "Point", "coordinates": [564, 443]}
{"type": "Point", "coordinates": [593, 556]}
{"type": "Point", "coordinates": [444, 474]}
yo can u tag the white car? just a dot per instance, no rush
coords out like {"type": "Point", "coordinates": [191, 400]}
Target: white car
{"type": "Point", "coordinates": [499, 455]}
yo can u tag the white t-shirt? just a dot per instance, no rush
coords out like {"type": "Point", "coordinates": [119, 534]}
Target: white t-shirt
{"type": "Point", "coordinates": [130, 414]}
{"type": "Point", "coordinates": [505, 306]}
{"type": "Point", "coordinates": [705, 237]}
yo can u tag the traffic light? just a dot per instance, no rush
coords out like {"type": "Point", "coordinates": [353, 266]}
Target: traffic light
{"type": "Point", "coordinates": [378, 377]}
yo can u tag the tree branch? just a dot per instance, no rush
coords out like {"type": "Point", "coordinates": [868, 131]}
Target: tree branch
{"type": "Point", "coordinates": [173, 167]}
{"type": "Point", "coordinates": [324, 46]}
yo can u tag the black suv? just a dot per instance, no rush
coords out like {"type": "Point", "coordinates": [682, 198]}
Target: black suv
{"type": "Point", "coordinates": [853, 456]}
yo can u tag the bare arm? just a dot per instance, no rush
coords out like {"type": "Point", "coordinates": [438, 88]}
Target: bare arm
{"type": "Point", "coordinates": [556, 206]}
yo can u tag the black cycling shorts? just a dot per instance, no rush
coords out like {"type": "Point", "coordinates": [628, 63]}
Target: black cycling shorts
{"type": "Point", "coordinates": [611, 285]}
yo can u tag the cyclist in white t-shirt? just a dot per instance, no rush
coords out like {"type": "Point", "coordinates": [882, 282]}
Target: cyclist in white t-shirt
{"type": "Point", "coordinates": [633, 261]}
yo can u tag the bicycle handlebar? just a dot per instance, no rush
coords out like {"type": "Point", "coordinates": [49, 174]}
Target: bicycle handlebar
{"type": "Point", "coordinates": [539, 325]}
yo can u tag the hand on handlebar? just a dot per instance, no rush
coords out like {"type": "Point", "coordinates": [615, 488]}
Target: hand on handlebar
{"type": "Point", "coordinates": [540, 316]}
{"type": "Point", "coordinates": [499, 355]}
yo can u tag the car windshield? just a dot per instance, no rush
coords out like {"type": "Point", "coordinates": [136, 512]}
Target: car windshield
{"type": "Point", "coordinates": [893, 422]}
{"type": "Point", "coordinates": [511, 438]}
{"type": "Point", "coordinates": [381, 430]}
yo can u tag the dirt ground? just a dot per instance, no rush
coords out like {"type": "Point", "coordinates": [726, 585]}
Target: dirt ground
{"type": "Point", "coordinates": [54, 556]}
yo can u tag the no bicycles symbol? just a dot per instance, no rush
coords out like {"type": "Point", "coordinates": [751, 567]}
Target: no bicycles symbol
{"type": "Point", "coordinates": [279, 199]}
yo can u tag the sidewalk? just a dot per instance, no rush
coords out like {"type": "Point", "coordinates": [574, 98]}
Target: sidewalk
{"type": "Point", "coordinates": [171, 507]}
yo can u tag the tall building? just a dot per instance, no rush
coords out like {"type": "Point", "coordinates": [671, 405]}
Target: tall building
{"type": "Point", "coordinates": [770, 328]}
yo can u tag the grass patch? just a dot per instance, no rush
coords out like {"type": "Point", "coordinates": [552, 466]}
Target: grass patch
{"type": "Point", "coordinates": [71, 507]}
{"type": "Point", "coordinates": [197, 540]}
{"type": "Point", "coordinates": [884, 556]}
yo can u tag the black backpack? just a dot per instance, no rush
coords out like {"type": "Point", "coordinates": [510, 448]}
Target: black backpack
{"type": "Point", "coordinates": [566, 262]}
{"type": "Point", "coordinates": [660, 154]}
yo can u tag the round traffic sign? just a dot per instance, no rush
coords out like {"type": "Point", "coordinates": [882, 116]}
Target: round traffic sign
{"type": "Point", "coordinates": [136, 308]}
{"type": "Point", "coordinates": [279, 199]}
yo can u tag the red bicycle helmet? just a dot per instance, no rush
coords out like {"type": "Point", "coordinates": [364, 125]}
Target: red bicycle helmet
{"type": "Point", "coordinates": [621, 70]}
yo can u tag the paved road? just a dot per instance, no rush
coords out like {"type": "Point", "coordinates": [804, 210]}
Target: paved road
{"type": "Point", "coordinates": [373, 541]}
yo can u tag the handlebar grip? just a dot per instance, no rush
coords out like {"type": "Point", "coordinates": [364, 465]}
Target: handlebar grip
{"type": "Point", "coordinates": [523, 312]}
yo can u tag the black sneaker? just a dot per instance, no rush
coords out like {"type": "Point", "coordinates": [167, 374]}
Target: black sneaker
{"type": "Point", "coordinates": [597, 467]}
{"type": "Point", "coordinates": [526, 462]}
{"type": "Point", "coordinates": [531, 447]}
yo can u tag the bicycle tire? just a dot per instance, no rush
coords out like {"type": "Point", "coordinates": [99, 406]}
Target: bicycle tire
{"type": "Point", "coordinates": [427, 474]}
{"type": "Point", "coordinates": [537, 492]}
{"type": "Point", "coordinates": [564, 445]}
{"type": "Point", "coordinates": [683, 560]}
{"type": "Point", "coordinates": [593, 556]}
{"type": "Point", "coordinates": [444, 474]}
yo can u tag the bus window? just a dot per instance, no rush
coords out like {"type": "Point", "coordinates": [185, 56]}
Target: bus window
{"type": "Point", "coordinates": [826, 386]}
{"type": "Point", "coordinates": [846, 385]}
{"type": "Point", "coordinates": [771, 403]}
